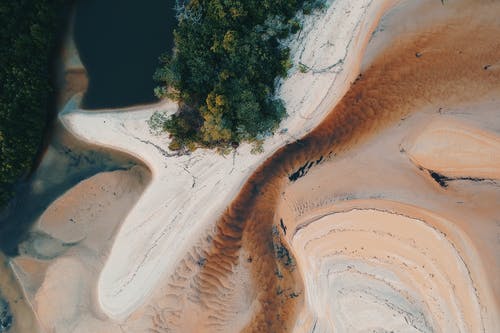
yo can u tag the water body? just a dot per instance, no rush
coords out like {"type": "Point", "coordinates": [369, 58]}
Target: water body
{"type": "Point", "coordinates": [65, 163]}
{"type": "Point", "coordinates": [5, 315]}
{"type": "Point", "coordinates": [119, 42]}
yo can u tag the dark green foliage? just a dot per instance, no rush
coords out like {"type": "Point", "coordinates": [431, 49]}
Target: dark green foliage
{"type": "Point", "coordinates": [27, 37]}
{"type": "Point", "coordinates": [226, 61]}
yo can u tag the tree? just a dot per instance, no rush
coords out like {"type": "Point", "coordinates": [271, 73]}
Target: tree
{"type": "Point", "coordinates": [227, 58]}
{"type": "Point", "coordinates": [27, 39]}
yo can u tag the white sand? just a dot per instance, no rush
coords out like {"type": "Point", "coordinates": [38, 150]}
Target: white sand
{"type": "Point", "coordinates": [456, 150]}
{"type": "Point", "coordinates": [188, 192]}
{"type": "Point", "coordinates": [368, 269]}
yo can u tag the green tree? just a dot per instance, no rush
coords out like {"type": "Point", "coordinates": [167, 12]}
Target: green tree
{"type": "Point", "coordinates": [27, 38]}
{"type": "Point", "coordinates": [227, 58]}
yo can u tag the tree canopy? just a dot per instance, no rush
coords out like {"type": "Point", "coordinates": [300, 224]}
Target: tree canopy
{"type": "Point", "coordinates": [224, 68]}
{"type": "Point", "coordinates": [27, 38]}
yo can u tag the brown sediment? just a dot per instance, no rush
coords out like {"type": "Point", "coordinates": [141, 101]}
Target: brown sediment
{"type": "Point", "coordinates": [449, 69]}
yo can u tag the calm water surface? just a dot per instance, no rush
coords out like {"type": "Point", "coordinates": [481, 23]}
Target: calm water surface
{"type": "Point", "coordinates": [119, 42]}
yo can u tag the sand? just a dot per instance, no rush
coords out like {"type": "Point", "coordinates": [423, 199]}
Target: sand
{"type": "Point", "coordinates": [344, 230]}
{"type": "Point", "coordinates": [180, 204]}
{"type": "Point", "coordinates": [61, 287]}
{"type": "Point", "coordinates": [400, 92]}
{"type": "Point", "coordinates": [23, 318]}
{"type": "Point", "coordinates": [393, 236]}
{"type": "Point", "coordinates": [72, 77]}
{"type": "Point", "coordinates": [456, 150]}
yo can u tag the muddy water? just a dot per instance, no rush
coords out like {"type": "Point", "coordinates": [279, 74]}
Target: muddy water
{"type": "Point", "coordinates": [443, 63]}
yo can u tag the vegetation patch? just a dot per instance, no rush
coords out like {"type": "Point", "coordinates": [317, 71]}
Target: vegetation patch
{"type": "Point", "coordinates": [27, 39]}
{"type": "Point", "coordinates": [228, 56]}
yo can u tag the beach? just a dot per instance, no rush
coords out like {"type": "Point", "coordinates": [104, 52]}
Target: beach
{"type": "Point", "coordinates": [372, 207]}
{"type": "Point", "coordinates": [169, 212]}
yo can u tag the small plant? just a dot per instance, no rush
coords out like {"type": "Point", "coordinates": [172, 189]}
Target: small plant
{"type": "Point", "coordinates": [257, 147]}
{"type": "Point", "coordinates": [303, 68]}
{"type": "Point", "coordinates": [280, 251]}
{"type": "Point", "coordinates": [201, 262]}
{"type": "Point", "coordinates": [156, 122]}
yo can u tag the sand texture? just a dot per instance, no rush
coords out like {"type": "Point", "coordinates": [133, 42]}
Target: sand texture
{"type": "Point", "coordinates": [180, 204]}
{"type": "Point", "coordinates": [374, 208]}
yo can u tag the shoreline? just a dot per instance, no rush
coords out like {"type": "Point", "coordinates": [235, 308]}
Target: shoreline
{"type": "Point", "coordinates": [163, 235]}
{"type": "Point", "coordinates": [121, 286]}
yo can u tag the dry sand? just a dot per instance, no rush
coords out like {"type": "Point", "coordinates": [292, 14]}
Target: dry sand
{"type": "Point", "coordinates": [440, 66]}
{"type": "Point", "coordinates": [180, 204]}
{"type": "Point", "coordinates": [344, 230]}
{"type": "Point", "coordinates": [347, 222]}
{"type": "Point", "coordinates": [61, 288]}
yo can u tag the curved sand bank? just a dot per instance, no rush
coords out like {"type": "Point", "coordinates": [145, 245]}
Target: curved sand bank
{"type": "Point", "coordinates": [180, 203]}
{"type": "Point", "coordinates": [60, 284]}
{"type": "Point", "coordinates": [378, 265]}
{"type": "Point", "coordinates": [387, 231]}
{"type": "Point", "coordinates": [456, 151]}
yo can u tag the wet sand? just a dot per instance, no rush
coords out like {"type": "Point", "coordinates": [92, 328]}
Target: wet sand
{"type": "Point", "coordinates": [442, 65]}
{"type": "Point", "coordinates": [23, 318]}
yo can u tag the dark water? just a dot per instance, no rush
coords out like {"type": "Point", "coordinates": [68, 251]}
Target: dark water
{"type": "Point", "coordinates": [119, 42]}
{"type": "Point", "coordinates": [66, 162]}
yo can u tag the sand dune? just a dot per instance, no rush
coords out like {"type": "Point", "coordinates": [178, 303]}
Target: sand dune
{"type": "Point", "coordinates": [368, 269]}
{"type": "Point", "coordinates": [61, 288]}
{"type": "Point", "coordinates": [456, 150]}
{"type": "Point", "coordinates": [363, 259]}
{"type": "Point", "coordinates": [397, 84]}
